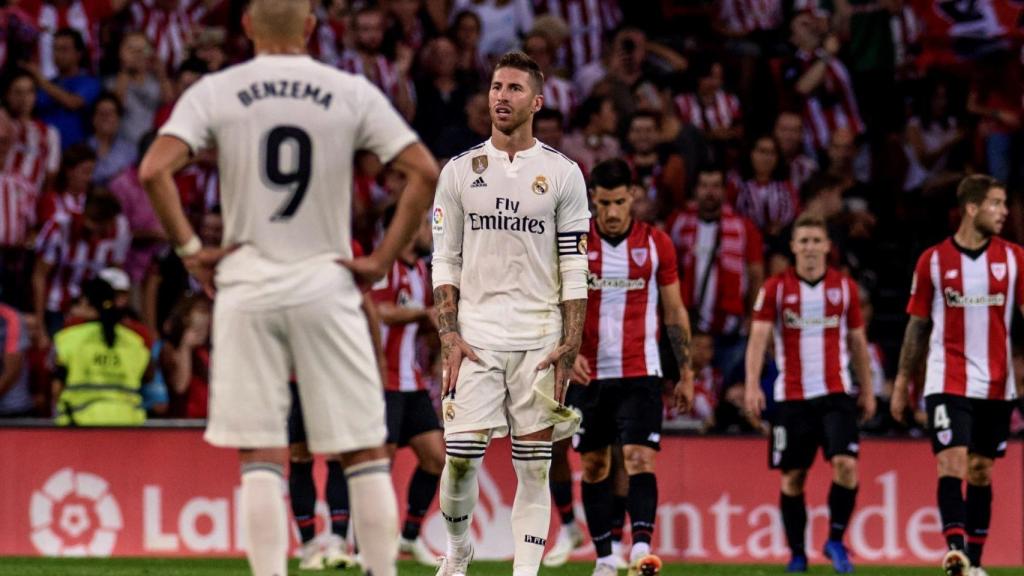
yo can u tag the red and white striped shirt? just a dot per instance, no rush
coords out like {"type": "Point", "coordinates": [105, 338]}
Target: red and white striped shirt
{"type": "Point", "coordinates": [325, 44]}
{"type": "Point", "coordinates": [724, 112]}
{"type": "Point", "coordinates": [406, 287]}
{"type": "Point", "coordinates": [970, 303]}
{"type": "Point", "coordinates": [906, 29]}
{"type": "Point", "coordinates": [77, 256]}
{"type": "Point", "coordinates": [83, 16]}
{"type": "Point", "coordinates": [17, 210]}
{"type": "Point", "coordinates": [624, 280]}
{"type": "Point", "coordinates": [831, 105]}
{"type": "Point", "coordinates": [801, 168]}
{"type": "Point", "coordinates": [385, 73]}
{"type": "Point", "coordinates": [588, 21]}
{"type": "Point", "coordinates": [746, 16]}
{"type": "Point", "coordinates": [560, 94]}
{"type": "Point", "coordinates": [170, 31]}
{"type": "Point", "coordinates": [36, 151]}
{"type": "Point", "coordinates": [811, 328]}
{"type": "Point", "coordinates": [773, 203]}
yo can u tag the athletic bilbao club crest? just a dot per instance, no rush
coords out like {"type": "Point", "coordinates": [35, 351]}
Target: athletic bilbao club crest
{"type": "Point", "coordinates": [540, 186]}
{"type": "Point", "coordinates": [639, 256]}
{"type": "Point", "coordinates": [834, 295]}
{"type": "Point", "coordinates": [479, 164]}
{"type": "Point", "coordinates": [998, 270]}
{"type": "Point", "coordinates": [945, 436]}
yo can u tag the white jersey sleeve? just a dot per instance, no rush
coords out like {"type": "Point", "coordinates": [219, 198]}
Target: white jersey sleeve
{"type": "Point", "coordinates": [446, 224]}
{"type": "Point", "coordinates": [573, 223]}
{"type": "Point", "coordinates": [381, 130]}
{"type": "Point", "coordinates": [190, 119]}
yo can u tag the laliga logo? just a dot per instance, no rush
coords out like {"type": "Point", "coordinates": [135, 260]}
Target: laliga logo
{"type": "Point", "coordinates": [74, 515]}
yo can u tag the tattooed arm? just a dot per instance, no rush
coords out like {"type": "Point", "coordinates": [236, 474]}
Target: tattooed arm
{"type": "Point", "coordinates": [915, 344]}
{"type": "Point", "coordinates": [453, 347]}
{"type": "Point", "coordinates": [677, 326]}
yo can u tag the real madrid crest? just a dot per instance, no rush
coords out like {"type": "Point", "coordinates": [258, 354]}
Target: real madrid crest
{"type": "Point", "coordinates": [581, 246]}
{"type": "Point", "coordinates": [479, 164]}
{"type": "Point", "coordinates": [449, 412]}
{"type": "Point", "coordinates": [540, 185]}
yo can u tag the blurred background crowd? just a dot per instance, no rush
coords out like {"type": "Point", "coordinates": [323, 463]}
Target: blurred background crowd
{"type": "Point", "coordinates": [735, 115]}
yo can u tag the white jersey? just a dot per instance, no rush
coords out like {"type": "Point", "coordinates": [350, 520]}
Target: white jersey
{"type": "Point", "coordinates": [286, 128]}
{"type": "Point", "coordinates": [505, 233]}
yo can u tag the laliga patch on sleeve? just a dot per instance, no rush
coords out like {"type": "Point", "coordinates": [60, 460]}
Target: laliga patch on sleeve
{"type": "Point", "coordinates": [437, 220]}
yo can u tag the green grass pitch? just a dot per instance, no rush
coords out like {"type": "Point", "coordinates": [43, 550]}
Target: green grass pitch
{"type": "Point", "coordinates": [233, 567]}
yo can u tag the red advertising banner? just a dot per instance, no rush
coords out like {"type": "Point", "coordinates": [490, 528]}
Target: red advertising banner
{"type": "Point", "coordinates": [151, 492]}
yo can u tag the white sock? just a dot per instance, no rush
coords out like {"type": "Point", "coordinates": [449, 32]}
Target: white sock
{"type": "Point", "coordinates": [531, 511]}
{"type": "Point", "coordinates": [607, 560]}
{"type": "Point", "coordinates": [265, 519]}
{"type": "Point", "coordinates": [640, 549]}
{"type": "Point", "coordinates": [376, 521]}
{"type": "Point", "coordinates": [459, 486]}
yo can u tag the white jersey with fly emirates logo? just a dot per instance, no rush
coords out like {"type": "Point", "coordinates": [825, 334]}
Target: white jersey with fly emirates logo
{"type": "Point", "coordinates": [286, 128]}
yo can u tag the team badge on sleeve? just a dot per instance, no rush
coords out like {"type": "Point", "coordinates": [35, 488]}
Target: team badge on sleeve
{"type": "Point", "coordinates": [572, 243]}
{"type": "Point", "coordinates": [438, 220]}
{"type": "Point", "coordinates": [540, 185]}
{"type": "Point", "coordinates": [479, 164]}
{"type": "Point", "coordinates": [581, 246]}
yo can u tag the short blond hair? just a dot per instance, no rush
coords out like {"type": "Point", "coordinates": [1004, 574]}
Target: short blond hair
{"type": "Point", "coordinates": [279, 18]}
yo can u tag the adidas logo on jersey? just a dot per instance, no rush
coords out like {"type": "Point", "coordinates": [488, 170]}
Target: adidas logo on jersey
{"type": "Point", "coordinates": [479, 183]}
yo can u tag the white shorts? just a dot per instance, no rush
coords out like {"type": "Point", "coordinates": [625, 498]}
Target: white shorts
{"type": "Point", "coordinates": [326, 344]}
{"type": "Point", "coordinates": [505, 393]}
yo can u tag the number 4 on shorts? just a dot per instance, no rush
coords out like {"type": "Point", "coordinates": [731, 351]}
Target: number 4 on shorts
{"type": "Point", "coordinates": [941, 419]}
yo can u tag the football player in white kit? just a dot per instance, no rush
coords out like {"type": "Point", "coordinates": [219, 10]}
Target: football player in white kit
{"type": "Point", "coordinates": [286, 128]}
{"type": "Point", "coordinates": [510, 227]}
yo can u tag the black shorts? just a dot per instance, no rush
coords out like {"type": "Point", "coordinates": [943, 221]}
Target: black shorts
{"type": "Point", "coordinates": [801, 426]}
{"type": "Point", "coordinates": [981, 425]}
{"type": "Point", "coordinates": [296, 423]}
{"type": "Point", "coordinates": [619, 411]}
{"type": "Point", "coordinates": [409, 414]}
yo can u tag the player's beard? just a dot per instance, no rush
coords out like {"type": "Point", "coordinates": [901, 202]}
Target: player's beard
{"type": "Point", "coordinates": [514, 123]}
{"type": "Point", "coordinates": [987, 229]}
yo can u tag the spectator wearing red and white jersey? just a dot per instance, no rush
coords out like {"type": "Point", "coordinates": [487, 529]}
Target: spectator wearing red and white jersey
{"type": "Point", "coordinates": [720, 265]}
{"type": "Point", "coordinates": [813, 314]}
{"type": "Point", "coordinates": [741, 18]}
{"type": "Point", "coordinates": [820, 83]}
{"type": "Point", "coordinates": [712, 110]}
{"type": "Point", "coordinates": [71, 186]}
{"type": "Point", "coordinates": [660, 171]}
{"type": "Point", "coordinates": [589, 21]}
{"type": "Point", "coordinates": [366, 58]}
{"type": "Point", "coordinates": [83, 16]}
{"type": "Point", "coordinates": [559, 93]}
{"type": "Point", "coordinates": [171, 25]}
{"type": "Point", "coordinates": [761, 190]}
{"type": "Point", "coordinates": [35, 153]}
{"type": "Point", "coordinates": [962, 301]}
{"type": "Point", "coordinates": [789, 133]}
{"type": "Point", "coordinates": [73, 248]}
{"type": "Point", "coordinates": [141, 84]}
{"type": "Point", "coordinates": [16, 218]}
{"type": "Point", "coordinates": [594, 139]}
{"type": "Point", "coordinates": [327, 41]}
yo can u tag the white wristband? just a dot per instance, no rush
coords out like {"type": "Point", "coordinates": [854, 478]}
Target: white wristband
{"type": "Point", "coordinates": [190, 248]}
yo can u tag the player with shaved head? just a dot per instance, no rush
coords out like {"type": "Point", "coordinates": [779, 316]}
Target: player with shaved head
{"type": "Point", "coordinates": [286, 128]}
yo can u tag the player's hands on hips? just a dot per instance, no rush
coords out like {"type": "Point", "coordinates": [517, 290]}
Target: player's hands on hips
{"type": "Point", "coordinates": [754, 401]}
{"type": "Point", "coordinates": [868, 406]}
{"type": "Point", "coordinates": [203, 264]}
{"type": "Point", "coordinates": [898, 401]}
{"type": "Point", "coordinates": [564, 359]}
{"type": "Point", "coordinates": [684, 392]}
{"type": "Point", "coordinates": [581, 370]}
{"type": "Point", "coordinates": [366, 269]}
{"type": "Point", "coordinates": [453, 350]}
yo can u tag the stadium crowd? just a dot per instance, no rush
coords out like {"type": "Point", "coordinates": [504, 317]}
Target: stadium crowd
{"type": "Point", "coordinates": [735, 115]}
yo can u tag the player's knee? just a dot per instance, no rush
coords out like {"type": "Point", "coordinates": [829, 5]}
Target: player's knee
{"type": "Point", "coordinates": [979, 470]}
{"type": "Point", "coordinates": [596, 466]}
{"type": "Point", "coordinates": [844, 471]}
{"type": "Point", "coordinates": [952, 462]}
{"type": "Point", "coordinates": [793, 482]}
{"type": "Point", "coordinates": [463, 454]}
{"type": "Point", "coordinates": [638, 459]}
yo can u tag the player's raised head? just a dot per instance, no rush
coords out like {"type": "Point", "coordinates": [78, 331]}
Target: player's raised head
{"type": "Point", "coordinates": [982, 201]}
{"type": "Point", "coordinates": [810, 243]}
{"type": "Point", "coordinates": [278, 22]}
{"type": "Point", "coordinates": [516, 93]}
{"type": "Point", "coordinates": [611, 185]}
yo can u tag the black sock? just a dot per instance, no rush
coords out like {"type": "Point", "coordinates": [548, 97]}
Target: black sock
{"type": "Point", "coordinates": [337, 498]}
{"type": "Point", "coordinates": [643, 505]}
{"type": "Point", "coordinates": [953, 511]}
{"type": "Point", "coordinates": [840, 507]}
{"type": "Point", "coordinates": [597, 502]}
{"type": "Point", "coordinates": [561, 493]}
{"type": "Point", "coordinates": [302, 492]}
{"type": "Point", "coordinates": [979, 516]}
{"type": "Point", "coordinates": [794, 518]}
{"type": "Point", "coordinates": [618, 516]}
{"type": "Point", "coordinates": [422, 489]}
